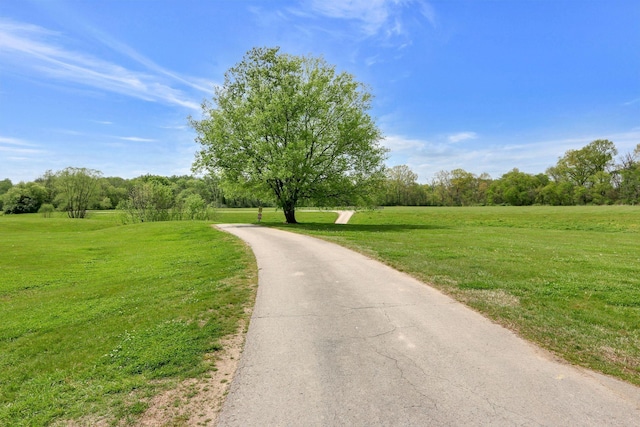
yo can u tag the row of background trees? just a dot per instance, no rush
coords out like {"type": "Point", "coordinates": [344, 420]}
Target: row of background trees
{"type": "Point", "coordinates": [145, 198]}
{"type": "Point", "coordinates": [590, 175]}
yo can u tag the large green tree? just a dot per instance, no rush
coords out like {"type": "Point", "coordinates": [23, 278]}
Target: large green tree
{"type": "Point", "coordinates": [629, 177]}
{"type": "Point", "coordinates": [517, 188]}
{"type": "Point", "coordinates": [23, 198]}
{"type": "Point", "coordinates": [75, 189]}
{"type": "Point", "coordinates": [151, 198]}
{"type": "Point", "coordinates": [293, 128]}
{"type": "Point", "coordinates": [400, 186]}
{"type": "Point", "coordinates": [578, 166]}
{"type": "Point", "coordinates": [5, 185]}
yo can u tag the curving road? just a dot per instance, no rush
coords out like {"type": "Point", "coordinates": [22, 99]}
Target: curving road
{"type": "Point", "coordinates": [339, 339]}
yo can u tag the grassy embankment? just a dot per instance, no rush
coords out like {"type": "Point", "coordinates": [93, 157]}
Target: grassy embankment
{"type": "Point", "coordinates": [567, 278]}
{"type": "Point", "coordinates": [97, 316]}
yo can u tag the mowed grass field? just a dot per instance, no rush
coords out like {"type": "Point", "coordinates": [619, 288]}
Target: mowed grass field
{"type": "Point", "coordinates": [567, 278]}
{"type": "Point", "coordinates": [96, 316]}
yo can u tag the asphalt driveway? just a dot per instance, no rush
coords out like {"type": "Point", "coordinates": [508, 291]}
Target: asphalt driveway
{"type": "Point", "coordinates": [339, 339]}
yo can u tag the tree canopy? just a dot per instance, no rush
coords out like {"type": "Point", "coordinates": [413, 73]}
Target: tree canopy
{"type": "Point", "coordinates": [293, 128]}
{"type": "Point", "coordinates": [24, 198]}
{"type": "Point", "coordinates": [76, 187]}
{"type": "Point", "coordinates": [578, 166]}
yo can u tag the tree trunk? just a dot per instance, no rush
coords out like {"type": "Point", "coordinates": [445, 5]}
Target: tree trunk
{"type": "Point", "coordinates": [290, 214]}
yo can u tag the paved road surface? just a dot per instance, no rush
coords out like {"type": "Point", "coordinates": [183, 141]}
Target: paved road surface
{"type": "Point", "coordinates": [344, 217]}
{"type": "Point", "coordinates": [337, 339]}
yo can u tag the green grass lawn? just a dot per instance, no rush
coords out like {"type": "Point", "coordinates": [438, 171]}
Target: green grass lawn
{"type": "Point", "coordinates": [567, 278]}
{"type": "Point", "coordinates": [97, 316]}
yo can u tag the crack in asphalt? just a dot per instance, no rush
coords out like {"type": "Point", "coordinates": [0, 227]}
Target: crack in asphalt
{"type": "Point", "coordinates": [498, 410]}
{"type": "Point", "coordinates": [397, 362]}
{"type": "Point", "coordinates": [404, 377]}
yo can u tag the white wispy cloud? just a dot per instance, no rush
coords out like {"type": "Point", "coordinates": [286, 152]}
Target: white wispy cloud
{"type": "Point", "coordinates": [39, 51]}
{"type": "Point", "coordinates": [20, 150]}
{"type": "Point", "coordinates": [375, 17]}
{"type": "Point", "coordinates": [201, 85]}
{"type": "Point", "coordinates": [102, 136]}
{"type": "Point", "coordinates": [174, 127]}
{"type": "Point", "coordinates": [136, 139]}
{"type": "Point", "coordinates": [398, 143]}
{"type": "Point", "coordinates": [372, 14]}
{"type": "Point", "coordinates": [429, 13]}
{"type": "Point", "coordinates": [18, 146]}
{"type": "Point", "coordinates": [461, 136]}
{"type": "Point", "coordinates": [14, 141]}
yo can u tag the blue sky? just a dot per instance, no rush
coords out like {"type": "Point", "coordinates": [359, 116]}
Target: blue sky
{"type": "Point", "coordinates": [481, 85]}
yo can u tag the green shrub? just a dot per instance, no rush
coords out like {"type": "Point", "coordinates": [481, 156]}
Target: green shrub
{"type": "Point", "coordinates": [46, 210]}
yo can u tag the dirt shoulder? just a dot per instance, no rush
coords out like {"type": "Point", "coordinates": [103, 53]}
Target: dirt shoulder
{"type": "Point", "coordinates": [197, 402]}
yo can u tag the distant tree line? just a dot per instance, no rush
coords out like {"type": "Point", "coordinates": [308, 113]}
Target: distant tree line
{"type": "Point", "coordinates": [145, 198]}
{"type": "Point", "coordinates": [590, 175]}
